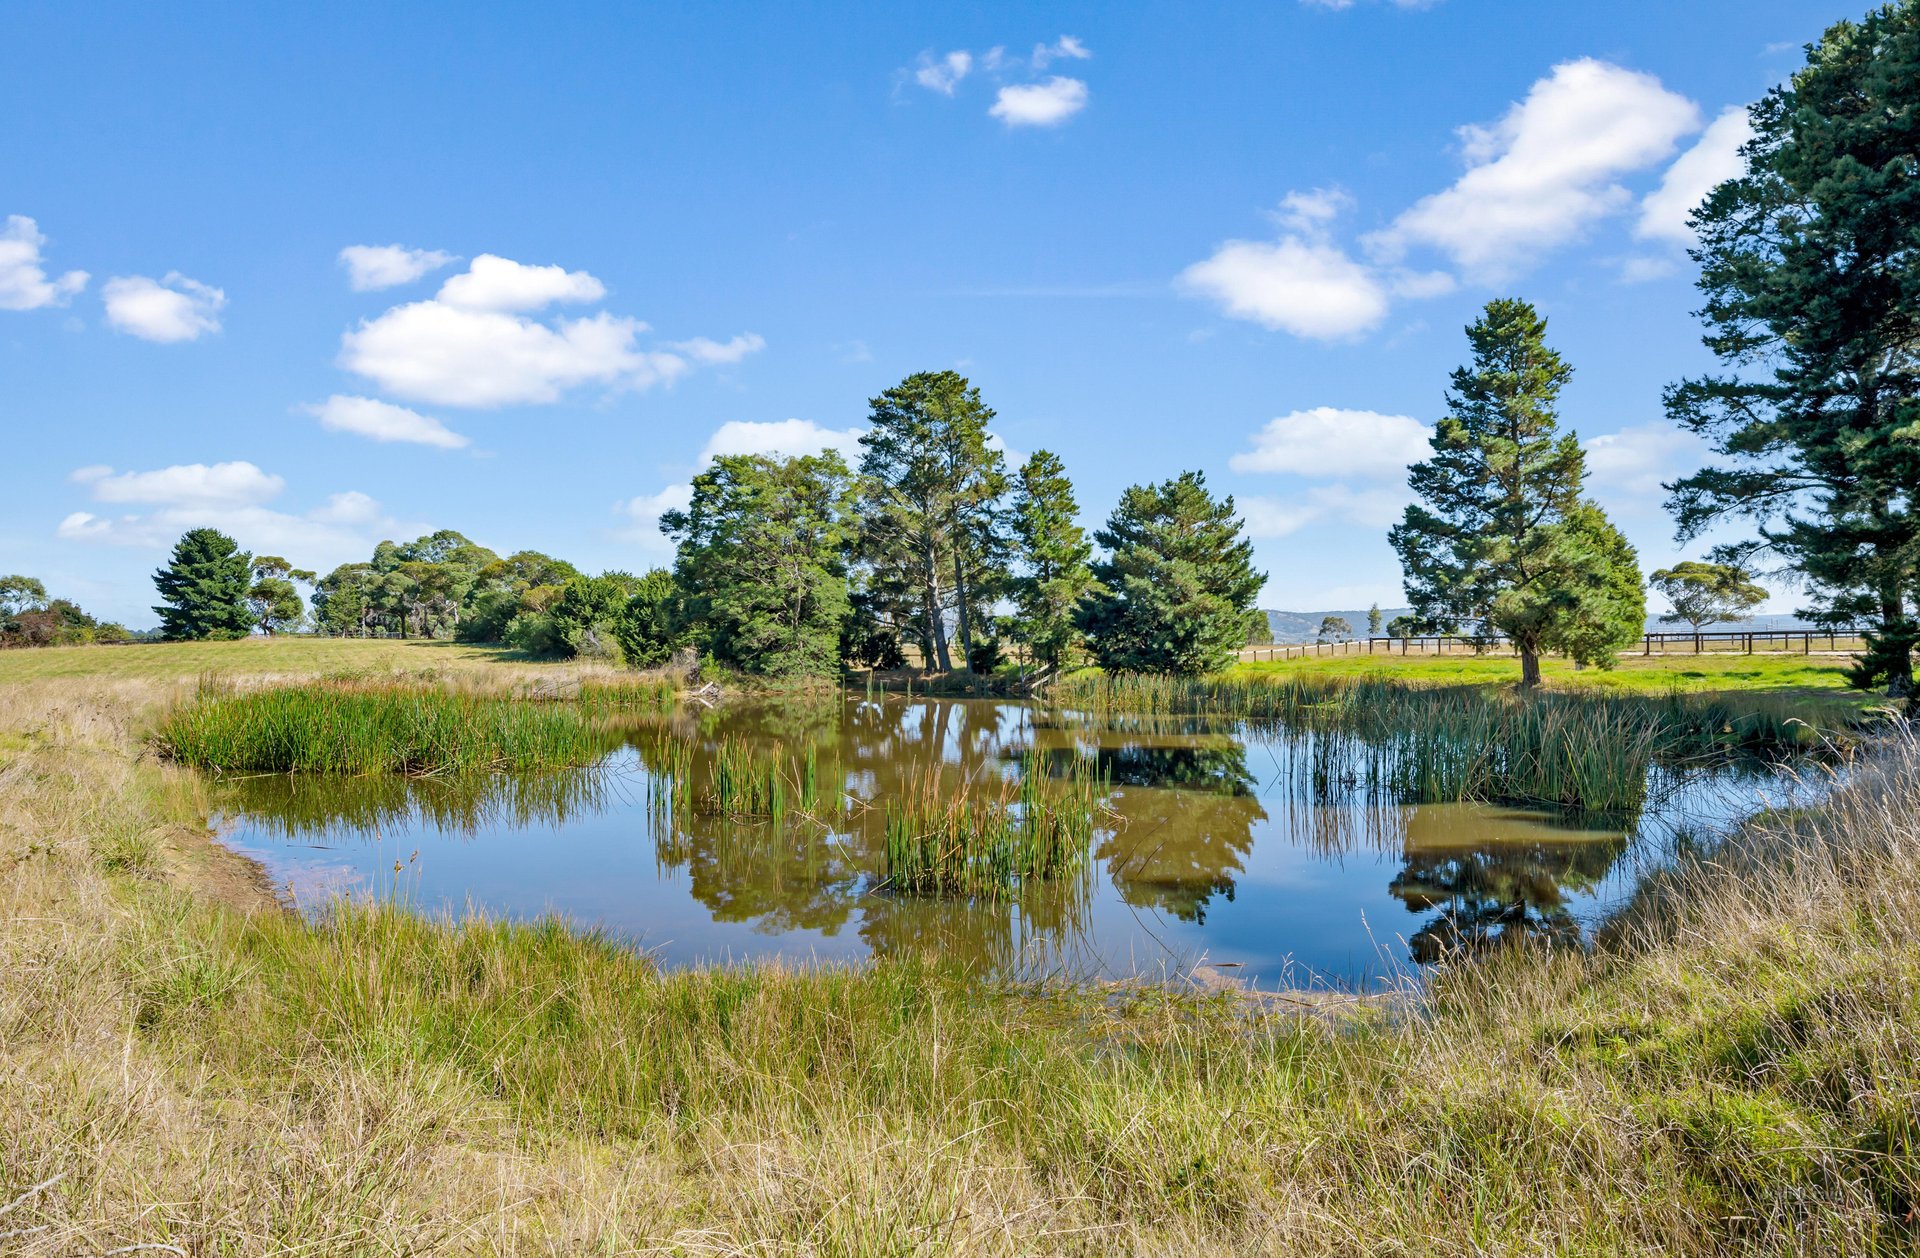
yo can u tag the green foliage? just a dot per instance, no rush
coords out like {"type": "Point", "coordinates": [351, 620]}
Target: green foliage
{"type": "Point", "coordinates": [203, 588]}
{"type": "Point", "coordinates": [762, 561]}
{"type": "Point", "coordinates": [585, 620]}
{"type": "Point", "coordinates": [1810, 263]}
{"type": "Point", "coordinates": [648, 629]}
{"type": "Point", "coordinates": [1177, 588]}
{"type": "Point", "coordinates": [1053, 557]}
{"type": "Point", "coordinates": [1500, 535]}
{"type": "Point", "coordinates": [1707, 593]}
{"type": "Point", "coordinates": [1373, 621]}
{"type": "Point", "coordinates": [1337, 628]}
{"type": "Point", "coordinates": [20, 593]}
{"type": "Point", "coordinates": [929, 508]}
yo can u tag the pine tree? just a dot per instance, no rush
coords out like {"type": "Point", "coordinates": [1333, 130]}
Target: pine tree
{"type": "Point", "coordinates": [203, 588]}
{"type": "Point", "coordinates": [930, 504]}
{"type": "Point", "coordinates": [1810, 262]}
{"type": "Point", "coordinates": [1052, 551]}
{"type": "Point", "coordinates": [1501, 535]}
{"type": "Point", "coordinates": [1177, 588]}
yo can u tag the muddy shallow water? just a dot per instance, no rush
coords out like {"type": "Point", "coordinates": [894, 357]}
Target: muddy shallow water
{"type": "Point", "coordinates": [1220, 842]}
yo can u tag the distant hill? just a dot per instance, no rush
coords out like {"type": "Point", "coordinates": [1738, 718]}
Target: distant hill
{"type": "Point", "coordinates": [1305, 626]}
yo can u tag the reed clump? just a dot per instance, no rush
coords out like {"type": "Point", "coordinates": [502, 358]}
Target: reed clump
{"type": "Point", "coordinates": [350, 728]}
{"type": "Point", "coordinates": [1428, 744]}
{"type": "Point", "coordinates": [732, 779]}
{"type": "Point", "coordinates": [990, 839]}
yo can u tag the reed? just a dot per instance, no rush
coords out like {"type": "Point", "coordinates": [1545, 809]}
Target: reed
{"type": "Point", "coordinates": [1426, 744]}
{"type": "Point", "coordinates": [732, 779]}
{"type": "Point", "coordinates": [348, 728]}
{"type": "Point", "coordinates": [990, 840]}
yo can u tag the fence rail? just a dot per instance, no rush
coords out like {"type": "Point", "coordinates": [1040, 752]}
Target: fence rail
{"type": "Point", "coordinates": [1705, 642]}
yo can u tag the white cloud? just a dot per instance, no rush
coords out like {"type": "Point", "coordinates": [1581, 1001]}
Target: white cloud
{"type": "Point", "coordinates": [783, 438]}
{"type": "Point", "coordinates": [383, 421]}
{"type": "Point", "coordinates": [943, 74]}
{"type": "Point", "coordinates": [1330, 442]}
{"type": "Point", "coordinates": [1308, 287]}
{"type": "Point", "coordinates": [1040, 104]}
{"type": "Point", "coordinates": [491, 282]}
{"type": "Point", "coordinates": [1714, 159]}
{"type": "Point", "coordinates": [643, 514]}
{"type": "Point", "coordinates": [1626, 468]}
{"type": "Point", "coordinates": [704, 350]}
{"type": "Point", "coordinates": [230, 497]}
{"type": "Point", "coordinates": [471, 345]}
{"type": "Point", "coordinates": [1546, 170]}
{"type": "Point", "coordinates": [184, 485]}
{"type": "Point", "coordinates": [24, 284]}
{"type": "Point", "coordinates": [173, 308]}
{"type": "Point", "coordinates": [1371, 508]}
{"type": "Point", "coordinates": [1066, 48]}
{"type": "Point", "coordinates": [1271, 517]}
{"type": "Point", "coordinates": [371, 267]}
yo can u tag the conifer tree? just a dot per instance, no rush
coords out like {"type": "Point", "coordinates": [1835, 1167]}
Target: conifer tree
{"type": "Point", "coordinates": [1177, 588]}
{"type": "Point", "coordinates": [1052, 552]}
{"type": "Point", "coordinates": [203, 588]}
{"type": "Point", "coordinates": [1810, 262]}
{"type": "Point", "coordinates": [1500, 534]}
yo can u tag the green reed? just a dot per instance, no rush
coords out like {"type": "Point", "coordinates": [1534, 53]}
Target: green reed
{"type": "Point", "coordinates": [349, 728]}
{"type": "Point", "coordinates": [1424, 744]}
{"type": "Point", "coordinates": [990, 839]}
{"type": "Point", "coordinates": [731, 779]}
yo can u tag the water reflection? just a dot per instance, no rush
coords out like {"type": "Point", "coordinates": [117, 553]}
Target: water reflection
{"type": "Point", "coordinates": [1259, 846]}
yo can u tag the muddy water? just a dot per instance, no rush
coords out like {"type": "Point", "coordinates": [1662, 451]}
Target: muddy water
{"type": "Point", "coordinates": [1220, 843]}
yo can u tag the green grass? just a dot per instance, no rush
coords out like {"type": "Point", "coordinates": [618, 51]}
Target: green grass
{"type": "Point", "coordinates": [989, 839]}
{"type": "Point", "coordinates": [1657, 674]}
{"type": "Point", "coordinates": [342, 728]}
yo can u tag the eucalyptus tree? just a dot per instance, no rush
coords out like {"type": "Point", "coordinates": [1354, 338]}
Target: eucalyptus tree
{"type": "Point", "coordinates": [272, 598]}
{"type": "Point", "coordinates": [1175, 592]}
{"type": "Point", "coordinates": [931, 485]}
{"type": "Point", "coordinates": [1500, 534]}
{"type": "Point", "coordinates": [1052, 554]}
{"type": "Point", "coordinates": [1810, 263]}
{"type": "Point", "coordinates": [1707, 593]}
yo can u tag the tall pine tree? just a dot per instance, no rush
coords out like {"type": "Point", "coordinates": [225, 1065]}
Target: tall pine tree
{"type": "Point", "coordinates": [1177, 588]}
{"type": "Point", "coordinates": [1501, 535]}
{"type": "Point", "coordinates": [1810, 262]}
{"type": "Point", "coordinates": [1052, 552]}
{"type": "Point", "coordinates": [203, 588]}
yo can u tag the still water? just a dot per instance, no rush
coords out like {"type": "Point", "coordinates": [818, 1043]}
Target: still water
{"type": "Point", "coordinates": [1221, 843]}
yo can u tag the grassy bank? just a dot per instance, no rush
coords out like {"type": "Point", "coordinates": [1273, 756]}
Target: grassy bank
{"type": "Point", "coordinates": [1797, 675]}
{"type": "Point", "coordinates": [1736, 1072]}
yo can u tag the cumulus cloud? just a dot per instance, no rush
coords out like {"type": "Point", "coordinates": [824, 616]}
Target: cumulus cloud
{"type": "Point", "coordinates": [167, 310]}
{"type": "Point", "coordinates": [642, 515]}
{"type": "Point", "coordinates": [1045, 104]}
{"type": "Point", "coordinates": [783, 438]}
{"type": "Point", "coordinates": [383, 421]}
{"type": "Point", "coordinates": [238, 483]}
{"type": "Point", "coordinates": [1308, 287]}
{"type": "Point", "coordinates": [1625, 469]}
{"type": "Point", "coordinates": [24, 283]}
{"type": "Point", "coordinates": [1546, 170]}
{"type": "Point", "coordinates": [943, 74]}
{"type": "Point", "coordinates": [1328, 441]}
{"type": "Point", "coordinates": [475, 344]}
{"type": "Point", "coordinates": [231, 497]}
{"type": "Point", "coordinates": [1714, 159]}
{"type": "Point", "coordinates": [491, 282]}
{"type": "Point", "coordinates": [371, 267]}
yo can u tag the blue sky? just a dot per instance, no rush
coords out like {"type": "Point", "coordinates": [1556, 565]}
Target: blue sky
{"type": "Point", "coordinates": [325, 274]}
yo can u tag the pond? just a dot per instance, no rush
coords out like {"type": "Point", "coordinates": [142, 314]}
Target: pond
{"type": "Point", "coordinates": [1220, 842]}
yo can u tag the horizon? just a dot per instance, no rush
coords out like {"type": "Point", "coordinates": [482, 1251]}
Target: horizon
{"type": "Point", "coordinates": [261, 273]}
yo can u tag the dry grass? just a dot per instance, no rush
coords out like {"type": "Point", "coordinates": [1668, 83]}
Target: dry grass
{"type": "Point", "coordinates": [1737, 1073]}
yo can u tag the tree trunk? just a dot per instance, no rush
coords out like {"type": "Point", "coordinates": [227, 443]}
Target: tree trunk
{"type": "Point", "coordinates": [930, 608]}
{"type": "Point", "coordinates": [1529, 665]}
{"type": "Point", "coordinates": [964, 620]}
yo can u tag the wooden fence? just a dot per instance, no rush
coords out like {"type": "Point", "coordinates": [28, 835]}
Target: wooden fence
{"type": "Point", "coordinates": [1720, 642]}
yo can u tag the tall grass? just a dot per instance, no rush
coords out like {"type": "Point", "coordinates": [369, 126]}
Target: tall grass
{"type": "Point", "coordinates": [354, 729]}
{"type": "Point", "coordinates": [689, 777]}
{"type": "Point", "coordinates": [990, 839]}
{"type": "Point", "coordinates": [1426, 744]}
